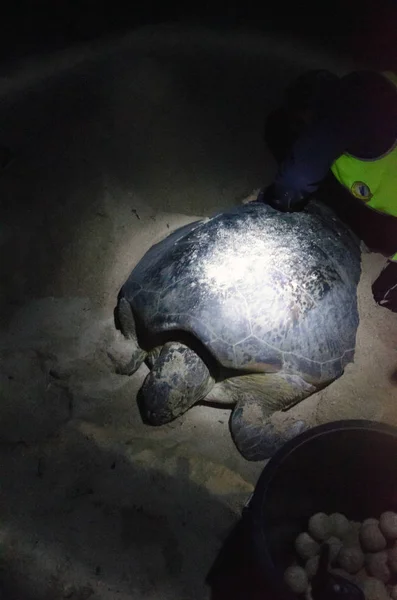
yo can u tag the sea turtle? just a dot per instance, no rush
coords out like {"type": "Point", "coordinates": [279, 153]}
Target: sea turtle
{"type": "Point", "coordinates": [253, 308]}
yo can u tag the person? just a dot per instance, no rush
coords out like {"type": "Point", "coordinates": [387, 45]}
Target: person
{"type": "Point", "coordinates": [336, 137]}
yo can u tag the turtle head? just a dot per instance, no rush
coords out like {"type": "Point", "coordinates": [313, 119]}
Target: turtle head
{"type": "Point", "coordinates": [178, 380]}
{"type": "Point", "coordinates": [156, 406]}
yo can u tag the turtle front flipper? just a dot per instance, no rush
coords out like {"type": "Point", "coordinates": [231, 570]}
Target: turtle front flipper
{"type": "Point", "coordinates": [258, 397]}
{"type": "Point", "coordinates": [126, 323]}
{"type": "Point", "coordinates": [178, 380]}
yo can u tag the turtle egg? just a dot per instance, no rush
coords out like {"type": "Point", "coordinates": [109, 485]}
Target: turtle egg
{"type": "Point", "coordinates": [335, 545]}
{"type": "Point", "coordinates": [392, 559]}
{"type": "Point", "coordinates": [374, 589]}
{"type": "Point", "coordinates": [388, 525]}
{"type": "Point", "coordinates": [371, 538]}
{"type": "Point", "coordinates": [361, 576]}
{"type": "Point", "coordinates": [308, 593]}
{"type": "Point", "coordinates": [319, 526]}
{"type": "Point", "coordinates": [311, 566]}
{"type": "Point", "coordinates": [352, 536]}
{"type": "Point", "coordinates": [393, 592]}
{"type": "Point", "coordinates": [351, 558]}
{"type": "Point", "coordinates": [377, 566]}
{"type": "Point", "coordinates": [306, 546]}
{"type": "Point", "coordinates": [296, 579]}
{"type": "Point", "coordinates": [339, 525]}
{"type": "Point", "coordinates": [371, 521]}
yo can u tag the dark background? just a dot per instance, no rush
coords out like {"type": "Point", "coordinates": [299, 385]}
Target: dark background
{"type": "Point", "coordinates": [360, 28]}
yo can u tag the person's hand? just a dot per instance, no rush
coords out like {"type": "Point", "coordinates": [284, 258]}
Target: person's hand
{"type": "Point", "coordinates": [280, 199]}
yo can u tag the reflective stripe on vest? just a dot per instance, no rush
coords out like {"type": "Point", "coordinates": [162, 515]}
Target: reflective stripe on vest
{"type": "Point", "coordinates": [372, 181]}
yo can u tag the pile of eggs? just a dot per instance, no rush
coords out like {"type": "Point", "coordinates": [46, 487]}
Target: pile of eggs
{"type": "Point", "coordinates": [365, 553]}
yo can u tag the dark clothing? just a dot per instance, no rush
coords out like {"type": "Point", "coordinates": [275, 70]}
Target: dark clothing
{"type": "Point", "coordinates": [358, 116]}
{"type": "Point", "coordinates": [362, 108]}
{"type": "Point", "coordinates": [377, 230]}
{"type": "Point", "coordinates": [384, 288]}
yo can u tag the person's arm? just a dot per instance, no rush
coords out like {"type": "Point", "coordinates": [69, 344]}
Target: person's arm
{"type": "Point", "coordinates": [308, 163]}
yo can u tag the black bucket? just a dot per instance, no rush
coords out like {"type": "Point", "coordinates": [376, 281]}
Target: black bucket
{"type": "Point", "coordinates": [347, 466]}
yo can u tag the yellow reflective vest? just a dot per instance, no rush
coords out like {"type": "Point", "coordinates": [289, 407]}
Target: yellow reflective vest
{"type": "Point", "coordinates": [372, 181]}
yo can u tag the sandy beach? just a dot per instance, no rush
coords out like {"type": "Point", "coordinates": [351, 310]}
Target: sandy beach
{"type": "Point", "coordinates": [115, 146]}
